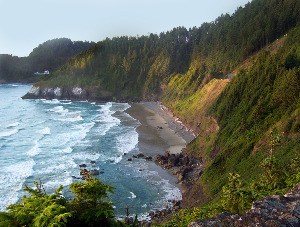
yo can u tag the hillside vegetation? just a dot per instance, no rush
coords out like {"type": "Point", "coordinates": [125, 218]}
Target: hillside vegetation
{"type": "Point", "coordinates": [50, 55]}
{"type": "Point", "coordinates": [138, 66]}
{"type": "Point", "coordinates": [248, 126]}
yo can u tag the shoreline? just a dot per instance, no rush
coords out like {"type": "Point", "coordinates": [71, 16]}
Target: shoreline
{"type": "Point", "coordinates": [167, 132]}
{"type": "Point", "coordinates": [157, 135]}
{"type": "Point", "coordinates": [159, 131]}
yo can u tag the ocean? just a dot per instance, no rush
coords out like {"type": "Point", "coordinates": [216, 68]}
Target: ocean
{"type": "Point", "coordinates": [47, 140]}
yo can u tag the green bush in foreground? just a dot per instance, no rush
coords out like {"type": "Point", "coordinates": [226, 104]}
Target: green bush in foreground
{"type": "Point", "coordinates": [87, 208]}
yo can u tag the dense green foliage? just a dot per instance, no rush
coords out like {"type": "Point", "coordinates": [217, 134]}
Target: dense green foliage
{"type": "Point", "coordinates": [258, 139]}
{"type": "Point", "coordinates": [265, 97]}
{"type": "Point", "coordinates": [87, 208]}
{"type": "Point", "coordinates": [139, 66]}
{"type": "Point", "coordinates": [50, 55]}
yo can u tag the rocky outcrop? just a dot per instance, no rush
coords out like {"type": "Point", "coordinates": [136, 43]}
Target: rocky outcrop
{"type": "Point", "coordinates": [270, 211]}
{"type": "Point", "coordinates": [90, 93]}
{"type": "Point", "coordinates": [74, 93]}
{"type": "Point", "coordinates": [185, 168]}
{"type": "Point", "coordinates": [160, 216]}
{"type": "Point", "coordinates": [188, 171]}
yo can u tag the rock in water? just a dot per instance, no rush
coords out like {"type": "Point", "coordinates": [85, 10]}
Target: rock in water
{"type": "Point", "coordinates": [94, 172]}
{"type": "Point", "coordinates": [148, 158]}
{"type": "Point", "coordinates": [140, 155]}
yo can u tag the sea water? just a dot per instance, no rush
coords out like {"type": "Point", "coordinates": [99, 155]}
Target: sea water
{"type": "Point", "coordinates": [47, 140]}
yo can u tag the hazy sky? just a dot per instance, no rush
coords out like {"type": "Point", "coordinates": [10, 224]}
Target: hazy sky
{"type": "Point", "coordinates": [24, 24]}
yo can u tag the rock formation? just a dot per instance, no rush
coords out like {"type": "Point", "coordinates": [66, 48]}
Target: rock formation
{"type": "Point", "coordinates": [270, 211]}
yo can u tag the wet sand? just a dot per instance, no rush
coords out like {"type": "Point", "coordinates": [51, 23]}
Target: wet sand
{"type": "Point", "coordinates": [158, 132]}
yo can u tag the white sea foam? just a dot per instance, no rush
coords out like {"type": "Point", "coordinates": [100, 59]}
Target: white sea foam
{"type": "Point", "coordinates": [56, 172]}
{"type": "Point", "coordinates": [84, 129]}
{"type": "Point", "coordinates": [13, 125]}
{"type": "Point", "coordinates": [34, 150]}
{"type": "Point", "coordinates": [120, 106]}
{"type": "Point", "coordinates": [46, 131]}
{"type": "Point", "coordinates": [92, 103]}
{"type": "Point", "coordinates": [11, 181]}
{"type": "Point", "coordinates": [85, 156]}
{"type": "Point", "coordinates": [60, 110]}
{"type": "Point", "coordinates": [38, 123]}
{"type": "Point", "coordinates": [63, 165]}
{"type": "Point", "coordinates": [18, 85]}
{"type": "Point", "coordinates": [107, 125]}
{"type": "Point", "coordinates": [7, 133]}
{"type": "Point", "coordinates": [133, 196]}
{"type": "Point", "coordinates": [106, 119]}
{"type": "Point", "coordinates": [172, 192]}
{"type": "Point", "coordinates": [128, 141]}
{"type": "Point", "coordinates": [72, 137]}
{"type": "Point", "coordinates": [78, 118]}
{"type": "Point", "coordinates": [66, 102]}
{"type": "Point", "coordinates": [144, 216]}
{"type": "Point", "coordinates": [52, 101]}
{"type": "Point", "coordinates": [116, 159]}
{"type": "Point", "coordinates": [60, 181]}
{"type": "Point", "coordinates": [70, 116]}
{"type": "Point", "coordinates": [67, 150]}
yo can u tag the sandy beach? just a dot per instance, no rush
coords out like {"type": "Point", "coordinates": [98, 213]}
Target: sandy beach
{"type": "Point", "coordinates": [159, 131]}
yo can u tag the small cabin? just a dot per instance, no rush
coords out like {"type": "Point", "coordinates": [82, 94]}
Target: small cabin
{"type": "Point", "coordinates": [44, 73]}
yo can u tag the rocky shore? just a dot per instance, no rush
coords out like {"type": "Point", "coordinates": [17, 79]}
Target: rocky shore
{"type": "Point", "coordinates": [185, 168]}
{"type": "Point", "coordinates": [163, 139]}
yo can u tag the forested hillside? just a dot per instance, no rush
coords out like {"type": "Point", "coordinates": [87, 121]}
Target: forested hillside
{"type": "Point", "coordinates": [235, 81]}
{"type": "Point", "coordinates": [138, 66]}
{"type": "Point", "coordinates": [50, 55]}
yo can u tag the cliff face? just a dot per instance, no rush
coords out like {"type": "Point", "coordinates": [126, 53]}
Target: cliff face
{"type": "Point", "coordinates": [74, 93]}
{"type": "Point", "coordinates": [90, 93]}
